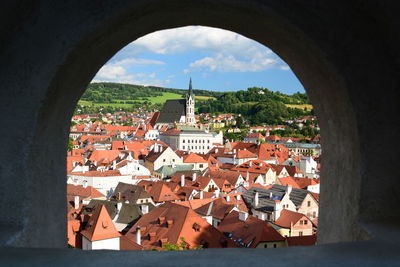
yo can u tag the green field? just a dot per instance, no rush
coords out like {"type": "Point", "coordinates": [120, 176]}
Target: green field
{"type": "Point", "coordinates": [308, 106]}
{"type": "Point", "coordinates": [161, 99]}
{"type": "Point", "coordinates": [204, 98]}
{"type": "Point", "coordinates": [155, 100]}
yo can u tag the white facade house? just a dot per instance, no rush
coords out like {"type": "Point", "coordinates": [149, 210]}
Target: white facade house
{"type": "Point", "coordinates": [197, 141]}
{"type": "Point", "coordinates": [132, 168]}
{"type": "Point", "coordinates": [161, 156]}
{"type": "Point", "coordinates": [110, 243]}
{"type": "Point", "coordinates": [308, 167]}
{"type": "Point", "coordinates": [313, 188]}
{"type": "Point", "coordinates": [152, 134]}
{"type": "Point", "coordinates": [105, 181]}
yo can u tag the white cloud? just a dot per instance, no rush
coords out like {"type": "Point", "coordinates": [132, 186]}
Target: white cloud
{"type": "Point", "coordinates": [138, 61]}
{"type": "Point", "coordinates": [110, 72]}
{"type": "Point", "coordinates": [229, 63]}
{"type": "Point", "coordinates": [284, 67]}
{"type": "Point", "coordinates": [227, 51]}
{"type": "Point", "coordinates": [191, 38]}
{"type": "Point", "coordinates": [118, 74]}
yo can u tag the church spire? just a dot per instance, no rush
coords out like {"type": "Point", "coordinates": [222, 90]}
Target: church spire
{"type": "Point", "coordinates": [190, 87]}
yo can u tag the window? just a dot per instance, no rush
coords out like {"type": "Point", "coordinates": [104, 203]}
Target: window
{"type": "Point", "coordinates": [301, 222]}
{"type": "Point", "coordinates": [308, 203]}
{"type": "Point", "coordinates": [183, 147]}
{"type": "Point", "coordinates": [265, 245]}
{"type": "Point", "coordinates": [300, 233]}
{"type": "Point", "coordinates": [163, 160]}
{"type": "Point", "coordinates": [274, 245]}
{"type": "Point", "coordinates": [173, 160]}
{"type": "Point", "coordinates": [201, 166]}
{"type": "Point", "coordinates": [183, 141]}
{"type": "Point", "coordinates": [314, 214]}
{"type": "Point", "coordinates": [305, 222]}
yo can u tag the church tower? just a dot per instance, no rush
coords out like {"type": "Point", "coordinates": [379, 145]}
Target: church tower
{"type": "Point", "coordinates": [190, 119]}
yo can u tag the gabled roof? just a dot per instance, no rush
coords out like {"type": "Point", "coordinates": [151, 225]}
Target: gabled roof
{"type": "Point", "coordinates": [255, 166]}
{"type": "Point", "coordinates": [83, 192]}
{"type": "Point", "coordinates": [288, 217]}
{"type": "Point", "coordinates": [170, 222]}
{"type": "Point", "coordinates": [104, 155]}
{"type": "Point", "coordinates": [288, 181]}
{"type": "Point", "coordinates": [172, 111]}
{"type": "Point", "coordinates": [100, 226]}
{"type": "Point", "coordinates": [159, 191]}
{"type": "Point", "coordinates": [278, 191]}
{"type": "Point", "coordinates": [218, 208]}
{"type": "Point", "coordinates": [248, 233]}
{"type": "Point", "coordinates": [193, 158]}
{"type": "Point", "coordinates": [129, 192]}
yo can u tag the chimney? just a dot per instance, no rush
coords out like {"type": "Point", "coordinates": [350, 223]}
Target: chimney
{"type": "Point", "coordinates": [114, 164]}
{"type": "Point", "coordinates": [155, 148]}
{"type": "Point", "coordinates": [119, 196]}
{"type": "Point", "coordinates": [228, 198]}
{"type": "Point", "coordinates": [161, 220]}
{"type": "Point", "coordinates": [152, 236]}
{"type": "Point", "coordinates": [84, 184]}
{"type": "Point", "coordinates": [250, 163]}
{"type": "Point", "coordinates": [237, 197]}
{"type": "Point", "coordinates": [288, 189]}
{"type": "Point", "coordinates": [270, 195]}
{"type": "Point", "coordinates": [170, 223]}
{"type": "Point", "coordinates": [201, 195]}
{"type": "Point", "coordinates": [247, 177]}
{"type": "Point", "coordinates": [182, 180]}
{"type": "Point", "coordinates": [243, 215]}
{"type": "Point", "coordinates": [216, 151]}
{"type": "Point", "coordinates": [138, 236]}
{"type": "Point", "coordinates": [76, 202]}
{"type": "Point", "coordinates": [119, 206]}
{"type": "Point", "coordinates": [145, 209]}
{"type": "Point", "coordinates": [194, 177]}
{"type": "Point", "coordinates": [256, 199]}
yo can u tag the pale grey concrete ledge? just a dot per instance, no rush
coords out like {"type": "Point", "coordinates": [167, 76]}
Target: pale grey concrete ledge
{"type": "Point", "coordinates": [383, 250]}
{"type": "Point", "coordinates": [366, 253]}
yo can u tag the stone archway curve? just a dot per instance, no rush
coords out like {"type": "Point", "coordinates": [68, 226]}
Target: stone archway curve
{"type": "Point", "coordinates": [73, 40]}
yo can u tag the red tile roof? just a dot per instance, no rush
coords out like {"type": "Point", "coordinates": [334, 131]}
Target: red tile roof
{"type": "Point", "coordinates": [100, 225]}
{"type": "Point", "coordinates": [170, 222]}
{"type": "Point", "coordinates": [88, 192]}
{"type": "Point", "coordinates": [252, 230]}
{"type": "Point", "coordinates": [193, 158]}
{"type": "Point", "coordinates": [289, 217]}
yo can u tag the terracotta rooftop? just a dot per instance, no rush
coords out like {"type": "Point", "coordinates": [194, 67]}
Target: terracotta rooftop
{"type": "Point", "coordinates": [248, 233]}
{"type": "Point", "coordinates": [170, 222]}
{"type": "Point", "coordinates": [100, 226]}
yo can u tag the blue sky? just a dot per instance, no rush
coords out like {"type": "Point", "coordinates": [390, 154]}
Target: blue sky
{"type": "Point", "coordinates": [216, 60]}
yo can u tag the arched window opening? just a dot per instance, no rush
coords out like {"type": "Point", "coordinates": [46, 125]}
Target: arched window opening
{"type": "Point", "coordinates": [129, 167]}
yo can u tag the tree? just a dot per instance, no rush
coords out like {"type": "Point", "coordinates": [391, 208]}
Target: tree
{"type": "Point", "coordinates": [180, 246]}
{"type": "Point", "coordinates": [70, 144]}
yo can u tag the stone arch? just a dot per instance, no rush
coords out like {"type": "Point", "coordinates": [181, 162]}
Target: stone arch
{"type": "Point", "coordinates": [58, 48]}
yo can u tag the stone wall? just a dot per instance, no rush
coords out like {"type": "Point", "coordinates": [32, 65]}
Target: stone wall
{"type": "Point", "coordinates": [344, 52]}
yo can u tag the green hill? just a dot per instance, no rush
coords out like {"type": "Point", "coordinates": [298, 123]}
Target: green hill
{"type": "Point", "coordinates": [258, 105]}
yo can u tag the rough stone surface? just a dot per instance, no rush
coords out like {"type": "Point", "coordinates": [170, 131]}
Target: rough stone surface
{"type": "Point", "coordinates": [344, 52]}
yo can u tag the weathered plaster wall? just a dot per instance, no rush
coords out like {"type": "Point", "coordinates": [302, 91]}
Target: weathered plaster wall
{"type": "Point", "coordinates": [344, 52]}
